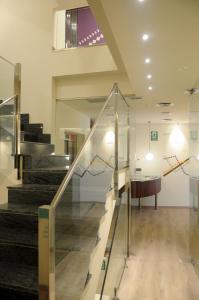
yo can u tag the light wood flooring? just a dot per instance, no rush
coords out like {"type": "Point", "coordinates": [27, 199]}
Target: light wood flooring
{"type": "Point", "coordinates": [160, 268]}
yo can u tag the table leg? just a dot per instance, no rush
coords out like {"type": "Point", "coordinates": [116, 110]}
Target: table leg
{"type": "Point", "coordinates": [140, 203]}
{"type": "Point", "coordinates": [156, 200]}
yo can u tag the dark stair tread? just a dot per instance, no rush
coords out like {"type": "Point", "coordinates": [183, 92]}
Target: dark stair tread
{"type": "Point", "coordinates": [36, 143]}
{"type": "Point", "coordinates": [34, 187]}
{"type": "Point", "coordinates": [16, 208]}
{"type": "Point", "coordinates": [49, 170]}
{"type": "Point", "coordinates": [24, 238]}
{"type": "Point", "coordinates": [19, 277]}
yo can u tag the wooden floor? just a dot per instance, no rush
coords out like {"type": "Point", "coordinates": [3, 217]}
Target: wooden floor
{"type": "Point", "coordinates": [160, 267]}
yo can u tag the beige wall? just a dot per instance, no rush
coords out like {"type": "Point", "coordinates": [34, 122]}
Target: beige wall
{"type": "Point", "coordinates": [90, 85]}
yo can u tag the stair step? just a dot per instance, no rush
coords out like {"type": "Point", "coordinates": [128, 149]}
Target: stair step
{"type": "Point", "coordinates": [18, 281]}
{"type": "Point", "coordinates": [34, 127]}
{"type": "Point", "coordinates": [39, 176]}
{"type": "Point", "coordinates": [35, 137]}
{"type": "Point", "coordinates": [32, 193]}
{"type": "Point", "coordinates": [25, 119]}
{"type": "Point", "coordinates": [18, 223]}
{"type": "Point", "coordinates": [36, 149]}
{"type": "Point", "coordinates": [12, 253]}
{"type": "Point", "coordinates": [47, 162]}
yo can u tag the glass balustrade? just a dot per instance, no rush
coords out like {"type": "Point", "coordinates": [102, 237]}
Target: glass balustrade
{"type": "Point", "coordinates": [194, 179]}
{"type": "Point", "coordinates": [86, 225]}
{"type": "Point", "coordinates": [9, 122]}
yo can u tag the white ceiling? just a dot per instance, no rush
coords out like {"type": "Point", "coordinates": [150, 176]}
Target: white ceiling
{"type": "Point", "coordinates": [173, 46]}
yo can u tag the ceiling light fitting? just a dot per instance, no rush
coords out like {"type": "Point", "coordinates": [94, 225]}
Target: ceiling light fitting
{"type": "Point", "coordinates": [145, 37]}
{"type": "Point", "coordinates": [147, 60]}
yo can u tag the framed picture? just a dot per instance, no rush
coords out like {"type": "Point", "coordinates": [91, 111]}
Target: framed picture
{"type": "Point", "coordinates": [154, 135]}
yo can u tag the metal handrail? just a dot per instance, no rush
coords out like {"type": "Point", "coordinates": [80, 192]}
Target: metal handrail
{"type": "Point", "coordinates": [60, 191]}
{"type": "Point", "coordinates": [8, 61]}
{"type": "Point", "coordinates": [7, 100]}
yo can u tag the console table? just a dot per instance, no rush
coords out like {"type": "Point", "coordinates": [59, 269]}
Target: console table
{"type": "Point", "coordinates": [145, 186]}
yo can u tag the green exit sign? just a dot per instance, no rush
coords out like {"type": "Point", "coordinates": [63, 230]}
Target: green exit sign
{"type": "Point", "coordinates": [154, 135]}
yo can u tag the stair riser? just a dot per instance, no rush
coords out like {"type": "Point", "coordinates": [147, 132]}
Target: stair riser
{"type": "Point", "coordinates": [30, 196]}
{"type": "Point", "coordinates": [18, 254]}
{"type": "Point", "coordinates": [11, 294]}
{"type": "Point", "coordinates": [45, 162]}
{"type": "Point", "coordinates": [36, 138]}
{"type": "Point", "coordinates": [42, 177]}
{"type": "Point", "coordinates": [36, 149]}
{"type": "Point", "coordinates": [35, 128]}
{"type": "Point", "coordinates": [19, 221]}
{"type": "Point", "coordinates": [25, 119]}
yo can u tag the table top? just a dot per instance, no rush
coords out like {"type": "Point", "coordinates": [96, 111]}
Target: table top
{"type": "Point", "coordinates": [144, 178]}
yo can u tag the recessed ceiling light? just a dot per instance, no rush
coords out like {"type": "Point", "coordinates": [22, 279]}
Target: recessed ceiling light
{"type": "Point", "coordinates": [150, 88]}
{"type": "Point", "coordinates": [145, 37]}
{"type": "Point", "coordinates": [141, 0]}
{"type": "Point", "coordinates": [147, 60]}
{"type": "Point", "coordinates": [164, 104]}
{"type": "Point", "coordinates": [167, 120]}
{"type": "Point", "coordinates": [149, 76]}
{"type": "Point", "coordinates": [166, 112]}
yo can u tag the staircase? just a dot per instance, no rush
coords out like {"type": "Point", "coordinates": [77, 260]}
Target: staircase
{"type": "Point", "coordinates": [42, 174]}
{"type": "Point", "coordinates": [76, 235]}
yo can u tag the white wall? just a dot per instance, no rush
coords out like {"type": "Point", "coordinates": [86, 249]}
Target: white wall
{"type": "Point", "coordinates": [175, 186]}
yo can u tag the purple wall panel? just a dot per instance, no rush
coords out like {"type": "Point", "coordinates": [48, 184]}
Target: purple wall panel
{"type": "Point", "coordinates": [88, 33]}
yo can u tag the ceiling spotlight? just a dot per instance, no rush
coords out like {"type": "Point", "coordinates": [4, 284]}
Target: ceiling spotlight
{"type": "Point", "coordinates": [145, 37]}
{"type": "Point", "coordinates": [141, 0]}
{"type": "Point", "coordinates": [147, 60]}
{"type": "Point", "coordinates": [149, 76]}
{"type": "Point", "coordinates": [150, 88]}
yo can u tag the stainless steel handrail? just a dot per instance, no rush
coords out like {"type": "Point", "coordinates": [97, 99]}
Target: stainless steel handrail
{"type": "Point", "coordinates": [60, 191]}
{"type": "Point", "coordinates": [8, 61]}
{"type": "Point", "coordinates": [7, 100]}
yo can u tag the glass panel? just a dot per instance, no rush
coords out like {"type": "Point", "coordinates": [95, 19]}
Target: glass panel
{"type": "Point", "coordinates": [122, 131]}
{"type": "Point", "coordinates": [7, 144]}
{"type": "Point", "coordinates": [84, 213]}
{"type": "Point", "coordinates": [88, 32]}
{"type": "Point", "coordinates": [6, 79]}
{"type": "Point", "coordinates": [116, 251]}
{"type": "Point", "coordinates": [194, 180]}
{"type": "Point", "coordinates": [74, 119]}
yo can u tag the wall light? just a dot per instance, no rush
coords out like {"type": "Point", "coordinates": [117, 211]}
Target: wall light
{"type": "Point", "coordinates": [149, 156]}
{"type": "Point", "coordinates": [110, 137]}
{"type": "Point", "coordinates": [177, 138]}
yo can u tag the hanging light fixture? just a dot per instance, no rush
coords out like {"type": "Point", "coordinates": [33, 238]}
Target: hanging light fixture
{"type": "Point", "coordinates": [149, 155]}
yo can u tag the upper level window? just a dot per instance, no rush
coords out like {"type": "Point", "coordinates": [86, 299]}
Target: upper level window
{"type": "Point", "coordinates": [76, 28]}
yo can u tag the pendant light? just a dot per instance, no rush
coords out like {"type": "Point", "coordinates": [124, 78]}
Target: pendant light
{"type": "Point", "coordinates": [149, 155]}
